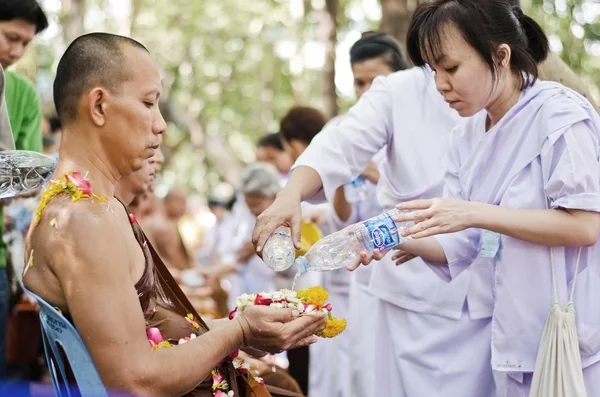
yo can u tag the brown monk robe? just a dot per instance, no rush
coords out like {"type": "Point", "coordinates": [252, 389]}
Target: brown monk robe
{"type": "Point", "coordinates": [166, 308]}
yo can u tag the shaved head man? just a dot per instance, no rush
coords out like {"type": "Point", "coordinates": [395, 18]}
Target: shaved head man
{"type": "Point", "coordinates": [92, 260]}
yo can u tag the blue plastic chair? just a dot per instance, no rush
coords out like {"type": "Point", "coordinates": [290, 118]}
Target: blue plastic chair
{"type": "Point", "coordinates": [58, 332]}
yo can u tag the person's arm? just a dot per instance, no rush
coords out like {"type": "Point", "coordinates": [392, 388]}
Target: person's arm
{"type": "Point", "coordinates": [343, 209]}
{"type": "Point", "coordinates": [335, 156]}
{"type": "Point", "coordinates": [29, 137]}
{"type": "Point", "coordinates": [7, 141]}
{"type": "Point", "coordinates": [341, 206]}
{"type": "Point", "coordinates": [571, 184]}
{"type": "Point", "coordinates": [94, 272]}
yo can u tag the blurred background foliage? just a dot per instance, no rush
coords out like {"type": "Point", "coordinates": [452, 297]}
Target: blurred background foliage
{"type": "Point", "coordinates": [232, 68]}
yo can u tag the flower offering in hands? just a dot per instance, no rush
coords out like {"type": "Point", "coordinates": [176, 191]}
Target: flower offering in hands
{"type": "Point", "coordinates": [307, 301]}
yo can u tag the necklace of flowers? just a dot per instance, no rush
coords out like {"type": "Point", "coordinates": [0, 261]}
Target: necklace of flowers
{"type": "Point", "coordinates": [220, 386]}
{"type": "Point", "coordinates": [72, 184]}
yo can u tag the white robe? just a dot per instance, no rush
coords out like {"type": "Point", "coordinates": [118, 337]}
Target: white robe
{"type": "Point", "coordinates": [405, 113]}
{"type": "Point", "coordinates": [544, 151]}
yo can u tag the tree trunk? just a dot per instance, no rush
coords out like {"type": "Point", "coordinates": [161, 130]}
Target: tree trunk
{"type": "Point", "coordinates": [136, 5]}
{"type": "Point", "coordinates": [395, 18]}
{"type": "Point", "coordinates": [73, 18]}
{"type": "Point", "coordinates": [329, 38]}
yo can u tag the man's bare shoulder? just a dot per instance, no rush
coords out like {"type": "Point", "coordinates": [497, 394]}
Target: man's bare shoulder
{"type": "Point", "coordinates": [68, 228]}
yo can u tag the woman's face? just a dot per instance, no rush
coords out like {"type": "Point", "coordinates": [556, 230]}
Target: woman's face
{"type": "Point", "coordinates": [365, 72]}
{"type": "Point", "coordinates": [463, 77]}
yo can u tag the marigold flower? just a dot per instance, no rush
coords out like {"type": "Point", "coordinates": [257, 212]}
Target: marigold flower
{"type": "Point", "coordinates": [316, 296]}
{"type": "Point", "coordinates": [333, 328]}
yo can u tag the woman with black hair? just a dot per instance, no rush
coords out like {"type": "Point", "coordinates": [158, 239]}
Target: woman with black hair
{"type": "Point", "coordinates": [426, 340]}
{"type": "Point", "coordinates": [522, 183]}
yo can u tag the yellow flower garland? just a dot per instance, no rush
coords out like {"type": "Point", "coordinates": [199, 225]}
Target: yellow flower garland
{"type": "Point", "coordinates": [70, 184]}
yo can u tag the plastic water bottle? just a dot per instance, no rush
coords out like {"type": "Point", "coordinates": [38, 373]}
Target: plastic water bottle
{"type": "Point", "coordinates": [22, 171]}
{"type": "Point", "coordinates": [279, 251]}
{"type": "Point", "coordinates": [356, 190]}
{"type": "Point", "coordinates": [342, 248]}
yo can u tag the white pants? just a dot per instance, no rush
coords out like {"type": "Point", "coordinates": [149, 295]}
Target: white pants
{"type": "Point", "coordinates": [329, 368]}
{"type": "Point", "coordinates": [518, 384]}
{"type": "Point", "coordinates": [423, 355]}
{"type": "Point", "coordinates": [361, 332]}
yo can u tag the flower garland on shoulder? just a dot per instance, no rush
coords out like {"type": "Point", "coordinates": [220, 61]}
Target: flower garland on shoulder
{"type": "Point", "coordinates": [74, 185]}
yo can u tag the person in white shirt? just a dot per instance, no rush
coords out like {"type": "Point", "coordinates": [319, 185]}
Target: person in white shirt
{"type": "Point", "coordinates": [374, 54]}
{"type": "Point", "coordinates": [429, 341]}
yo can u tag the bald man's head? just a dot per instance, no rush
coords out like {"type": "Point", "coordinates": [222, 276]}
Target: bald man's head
{"type": "Point", "coordinates": [95, 59]}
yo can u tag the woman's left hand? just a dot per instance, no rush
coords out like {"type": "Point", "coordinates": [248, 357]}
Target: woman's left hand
{"type": "Point", "coordinates": [436, 216]}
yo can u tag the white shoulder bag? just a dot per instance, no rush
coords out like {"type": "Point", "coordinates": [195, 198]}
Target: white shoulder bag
{"type": "Point", "coordinates": [558, 371]}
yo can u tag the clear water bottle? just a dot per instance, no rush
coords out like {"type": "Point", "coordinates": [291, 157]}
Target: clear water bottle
{"type": "Point", "coordinates": [279, 251]}
{"type": "Point", "coordinates": [22, 171]}
{"type": "Point", "coordinates": [357, 190]}
{"type": "Point", "coordinates": [342, 248]}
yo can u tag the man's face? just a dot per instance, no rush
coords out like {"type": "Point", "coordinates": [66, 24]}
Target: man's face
{"type": "Point", "coordinates": [133, 122]}
{"type": "Point", "coordinates": [15, 36]}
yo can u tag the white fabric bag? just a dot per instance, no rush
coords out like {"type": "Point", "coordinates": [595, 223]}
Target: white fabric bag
{"type": "Point", "coordinates": [558, 371]}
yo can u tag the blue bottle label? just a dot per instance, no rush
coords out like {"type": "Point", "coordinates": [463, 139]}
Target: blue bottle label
{"type": "Point", "coordinates": [358, 182]}
{"type": "Point", "coordinates": [383, 232]}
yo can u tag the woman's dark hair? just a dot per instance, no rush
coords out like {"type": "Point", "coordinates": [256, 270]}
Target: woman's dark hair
{"type": "Point", "coordinates": [483, 25]}
{"type": "Point", "coordinates": [302, 123]}
{"type": "Point", "coordinates": [378, 45]}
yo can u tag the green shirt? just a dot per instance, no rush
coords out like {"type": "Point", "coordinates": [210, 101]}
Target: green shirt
{"type": "Point", "coordinates": [25, 114]}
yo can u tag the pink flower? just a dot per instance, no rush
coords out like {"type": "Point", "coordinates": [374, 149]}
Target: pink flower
{"type": "Point", "coordinates": [220, 393]}
{"type": "Point", "coordinates": [132, 219]}
{"type": "Point", "coordinates": [81, 183]}
{"type": "Point", "coordinates": [217, 378]}
{"type": "Point", "coordinates": [262, 301]}
{"type": "Point", "coordinates": [232, 313]}
{"type": "Point", "coordinates": [154, 335]}
{"type": "Point", "coordinates": [234, 355]}
{"type": "Point", "coordinates": [328, 307]}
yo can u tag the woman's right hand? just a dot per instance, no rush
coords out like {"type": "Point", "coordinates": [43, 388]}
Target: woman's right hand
{"type": "Point", "coordinates": [274, 330]}
{"type": "Point", "coordinates": [285, 210]}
